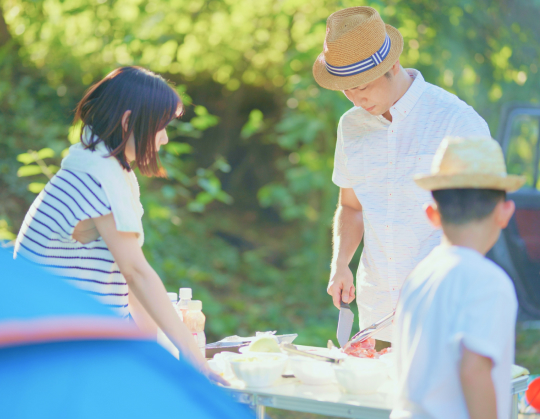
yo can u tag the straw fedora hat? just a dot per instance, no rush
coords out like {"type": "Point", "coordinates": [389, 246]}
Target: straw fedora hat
{"type": "Point", "coordinates": [471, 162]}
{"type": "Point", "coordinates": [358, 49]}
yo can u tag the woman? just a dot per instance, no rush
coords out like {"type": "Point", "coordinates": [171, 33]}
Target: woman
{"type": "Point", "coordinates": [86, 225]}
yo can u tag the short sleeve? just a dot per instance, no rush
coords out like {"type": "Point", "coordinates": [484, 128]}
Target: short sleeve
{"type": "Point", "coordinates": [487, 319]}
{"type": "Point", "coordinates": [340, 175]}
{"type": "Point", "coordinates": [82, 193]}
{"type": "Point", "coordinates": [468, 123]}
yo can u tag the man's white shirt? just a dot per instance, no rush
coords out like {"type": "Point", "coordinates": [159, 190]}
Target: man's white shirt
{"type": "Point", "coordinates": [378, 159]}
{"type": "Point", "coordinates": [455, 297]}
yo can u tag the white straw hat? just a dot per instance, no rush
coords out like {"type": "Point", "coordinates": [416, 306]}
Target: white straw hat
{"type": "Point", "coordinates": [358, 49]}
{"type": "Point", "coordinates": [470, 162]}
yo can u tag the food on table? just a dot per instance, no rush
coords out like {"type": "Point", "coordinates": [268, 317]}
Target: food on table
{"type": "Point", "coordinates": [364, 349]}
{"type": "Point", "coordinates": [265, 344]}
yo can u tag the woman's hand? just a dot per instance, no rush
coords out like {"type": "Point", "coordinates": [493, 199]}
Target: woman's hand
{"type": "Point", "coordinates": [214, 377]}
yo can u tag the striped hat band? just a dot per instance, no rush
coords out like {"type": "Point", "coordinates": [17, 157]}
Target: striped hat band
{"type": "Point", "coordinates": [363, 65]}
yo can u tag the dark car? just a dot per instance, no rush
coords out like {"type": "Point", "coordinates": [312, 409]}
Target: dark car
{"type": "Point", "coordinates": [518, 249]}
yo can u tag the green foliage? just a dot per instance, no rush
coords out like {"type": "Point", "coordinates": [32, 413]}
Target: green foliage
{"type": "Point", "coordinates": [33, 164]}
{"type": "Point", "coordinates": [5, 233]}
{"type": "Point", "coordinates": [523, 143]}
{"type": "Point", "coordinates": [254, 124]}
{"type": "Point", "coordinates": [528, 349]}
{"type": "Point", "coordinates": [203, 120]}
{"type": "Point", "coordinates": [244, 215]}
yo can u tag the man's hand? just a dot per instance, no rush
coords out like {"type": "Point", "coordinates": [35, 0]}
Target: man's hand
{"type": "Point", "coordinates": [341, 285]}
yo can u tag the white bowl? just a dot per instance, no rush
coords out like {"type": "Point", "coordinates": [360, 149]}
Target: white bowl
{"type": "Point", "coordinates": [390, 360]}
{"type": "Point", "coordinates": [361, 376]}
{"type": "Point", "coordinates": [310, 371]}
{"type": "Point", "coordinates": [220, 363]}
{"type": "Point", "coordinates": [258, 369]}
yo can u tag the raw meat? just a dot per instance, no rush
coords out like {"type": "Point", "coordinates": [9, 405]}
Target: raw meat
{"type": "Point", "coordinates": [365, 349]}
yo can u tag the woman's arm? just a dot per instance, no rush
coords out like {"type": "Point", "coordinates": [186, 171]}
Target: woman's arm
{"type": "Point", "coordinates": [147, 287]}
{"type": "Point", "coordinates": [140, 316]}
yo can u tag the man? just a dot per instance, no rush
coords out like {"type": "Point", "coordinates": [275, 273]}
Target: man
{"type": "Point", "coordinates": [391, 133]}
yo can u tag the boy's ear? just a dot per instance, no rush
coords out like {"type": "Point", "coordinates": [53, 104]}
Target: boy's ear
{"type": "Point", "coordinates": [503, 213]}
{"type": "Point", "coordinates": [432, 213]}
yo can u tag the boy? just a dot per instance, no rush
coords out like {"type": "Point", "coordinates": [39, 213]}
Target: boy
{"type": "Point", "coordinates": [455, 319]}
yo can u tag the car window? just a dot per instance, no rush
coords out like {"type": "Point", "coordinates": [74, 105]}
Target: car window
{"type": "Point", "coordinates": [522, 154]}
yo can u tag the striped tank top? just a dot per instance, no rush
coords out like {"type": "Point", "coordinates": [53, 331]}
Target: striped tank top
{"type": "Point", "coordinates": [45, 238]}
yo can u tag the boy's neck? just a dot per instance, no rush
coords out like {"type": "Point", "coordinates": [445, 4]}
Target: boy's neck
{"type": "Point", "coordinates": [480, 236]}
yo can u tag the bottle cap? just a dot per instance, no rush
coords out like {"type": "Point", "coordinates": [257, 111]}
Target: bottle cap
{"type": "Point", "coordinates": [185, 293]}
{"type": "Point", "coordinates": [195, 305]}
{"type": "Point", "coordinates": [173, 297]}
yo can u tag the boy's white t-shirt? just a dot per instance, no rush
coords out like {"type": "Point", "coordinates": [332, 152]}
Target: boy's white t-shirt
{"type": "Point", "coordinates": [455, 297]}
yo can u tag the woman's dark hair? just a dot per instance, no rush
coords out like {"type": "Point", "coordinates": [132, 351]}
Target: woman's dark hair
{"type": "Point", "coordinates": [153, 105]}
{"type": "Point", "coordinates": [463, 205]}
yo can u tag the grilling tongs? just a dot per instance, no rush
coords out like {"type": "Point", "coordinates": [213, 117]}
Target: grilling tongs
{"type": "Point", "coordinates": [372, 329]}
{"type": "Point", "coordinates": [291, 349]}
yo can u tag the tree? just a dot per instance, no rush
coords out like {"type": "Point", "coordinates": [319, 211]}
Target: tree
{"type": "Point", "coordinates": [260, 262]}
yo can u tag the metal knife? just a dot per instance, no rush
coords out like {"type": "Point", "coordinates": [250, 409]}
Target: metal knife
{"type": "Point", "coordinates": [345, 323]}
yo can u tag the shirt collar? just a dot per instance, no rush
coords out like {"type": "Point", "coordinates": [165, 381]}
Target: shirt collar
{"type": "Point", "coordinates": [407, 102]}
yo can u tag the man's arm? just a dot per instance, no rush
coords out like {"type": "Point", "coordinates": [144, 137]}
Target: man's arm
{"type": "Point", "coordinates": [348, 230]}
{"type": "Point", "coordinates": [477, 385]}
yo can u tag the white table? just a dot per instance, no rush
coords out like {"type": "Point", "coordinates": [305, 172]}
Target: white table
{"type": "Point", "coordinates": [328, 400]}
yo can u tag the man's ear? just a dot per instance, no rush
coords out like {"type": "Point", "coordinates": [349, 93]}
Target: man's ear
{"type": "Point", "coordinates": [503, 213]}
{"type": "Point", "coordinates": [396, 67]}
{"type": "Point", "coordinates": [432, 213]}
{"type": "Point", "coordinates": [125, 120]}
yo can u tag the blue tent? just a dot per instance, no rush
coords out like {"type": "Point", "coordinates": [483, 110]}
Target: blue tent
{"type": "Point", "coordinates": [64, 355]}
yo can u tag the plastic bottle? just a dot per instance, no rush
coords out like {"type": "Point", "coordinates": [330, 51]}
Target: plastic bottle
{"type": "Point", "coordinates": [174, 300]}
{"type": "Point", "coordinates": [195, 320]}
{"type": "Point", "coordinates": [185, 294]}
